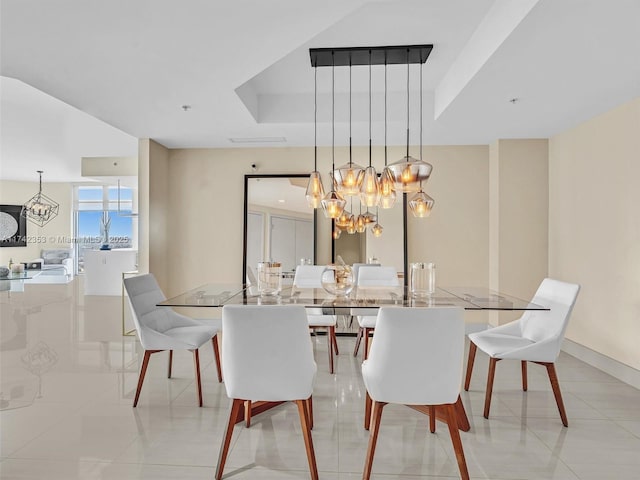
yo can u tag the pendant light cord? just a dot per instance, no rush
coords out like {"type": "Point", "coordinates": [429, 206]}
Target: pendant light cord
{"type": "Point", "coordinates": [333, 118]}
{"type": "Point", "coordinates": [421, 111]}
{"type": "Point", "coordinates": [385, 109]}
{"type": "Point", "coordinates": [420, 116]}
{"type": "Point", "coordinates": [407, 104]}
{"type": "Point", "coordinates": [370, 151]}
{"type": "Point", "coordinates": [315, 117]}
{"type": "Point", "coordinates": [350, 155]}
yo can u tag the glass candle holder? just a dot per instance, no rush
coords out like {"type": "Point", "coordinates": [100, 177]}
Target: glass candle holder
{"type": "Point", "coordinates": [269, 278]}
{"type": "Point", "coordinates": [422, 279]}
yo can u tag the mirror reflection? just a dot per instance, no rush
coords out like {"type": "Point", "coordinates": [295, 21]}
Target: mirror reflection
{"type": "Point", "coordinates": [365, 247]}
{"type": "Point", "coordinates": [279, 226]}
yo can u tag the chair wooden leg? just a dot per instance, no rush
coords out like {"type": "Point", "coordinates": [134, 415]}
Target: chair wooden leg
{"type": "Point", "coordinates": [524, 376]}
{"type": "Point", "coordinates": [365, 334]}
{"type": "Point", "coordinates": [367, 411]}
{"type": "Point", "coordinates": [555, 386]}
{"type": "Point", "coordinates": [143, 372]}
{"type": "Point", "coordinates": [308, 441]}
{"type": "Point", "coordinates": [376, 416]}
{"type": "Point", "coordinates": [492, 373]}
{"type": "Point", "coordinates": [216, 356]}
{"type": "Point", "coordinates": [358, 340]}
{"type": "Point", "coordinates": [309, 404]}
{"type": "Point", "coordinates": [330, 333]}
{"type": "Point", "coordinates": [334, 340]}
{"type": "Point", "coordinates": [432, 418]}
{"type": "Point", "coordinates": [472, 357]}
{"type": "Point", "coordinates": [196, 363]}
{"type": "Point", "coordinates": [452, 422]}
{"type": "Point", "coordinates": [170, 363]}
{"type": "Point", "coordinates": [236, 405]}
{"type": "Point", "coordinates": [247, 413]}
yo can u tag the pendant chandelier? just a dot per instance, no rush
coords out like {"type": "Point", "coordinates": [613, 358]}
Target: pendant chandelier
{"type": "Point", "coordinates": [40, 209]}
{"type": "Point", "coordinates": [333, 203]}
{"type": "Point", "coordinates": [408, 172]}
{"type": "Point", "coordinates": [381, 191]}
{"type": "Point", "coordinates": [315, 191]}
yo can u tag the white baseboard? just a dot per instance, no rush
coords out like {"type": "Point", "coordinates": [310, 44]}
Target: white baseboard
{"type": "Point", "coordinates": [608, 365]}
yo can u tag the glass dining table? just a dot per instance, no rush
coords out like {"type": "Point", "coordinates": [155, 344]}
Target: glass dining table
{"type": "Point", "coordinates": [364, 299]}
{"type": "Point", "coordinates": [469, 298]}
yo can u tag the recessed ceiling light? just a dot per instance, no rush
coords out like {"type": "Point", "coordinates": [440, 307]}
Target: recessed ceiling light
{"type": "Point", "coordinates": [186, 108]}
{"type": "Point", "coordinates": [257, 140]}
{"type": "Point", "coordinates": [280, 201]}
{"type": "Point", "coordinates": [514, 100]}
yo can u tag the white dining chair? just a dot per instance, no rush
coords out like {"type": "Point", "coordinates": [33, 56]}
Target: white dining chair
{"type": "Point", "coordinates": [267, 357]}
{"type": "Point", "coordinates": [535, 337]}
{"type": "Point", "coordinates": [161, 328]}
{"type": "Point", "coordinates": [371, 276]}
{"type": "Point", "coordinates": [310, 276]}
{"type": "Point", "coordinates": [416, 360]}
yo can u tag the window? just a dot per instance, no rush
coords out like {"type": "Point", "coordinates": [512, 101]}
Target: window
{"type": "Point", "coordinates": [91, 204]}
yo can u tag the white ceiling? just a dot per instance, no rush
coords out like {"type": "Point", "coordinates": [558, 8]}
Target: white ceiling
{"type": "Point", "coordinates": [243, 67]}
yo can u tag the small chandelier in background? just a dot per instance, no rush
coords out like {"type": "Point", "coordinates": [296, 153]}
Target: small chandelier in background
{"type": "Point", "coordinates": [40, 209]}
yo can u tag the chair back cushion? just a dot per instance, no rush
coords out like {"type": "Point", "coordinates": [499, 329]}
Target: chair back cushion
{"type": "Point", "coordinates": [144, 293]}
{"type": "Point", "coordinates": [377, 276]}
{"type": "Point", "coordinates": [308, 276]}
{"type": "Point", "coordinates": [267, 353]}
{"type": "Point", "coordinates": [356, 269]}
{"type": "Point", "coordinates": [559, 297]}
{"type": "Point", "coordinates": [416, 356]}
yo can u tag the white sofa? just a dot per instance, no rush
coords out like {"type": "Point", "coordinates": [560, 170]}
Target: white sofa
{"type": "Point", "coordinates": [57, 259]}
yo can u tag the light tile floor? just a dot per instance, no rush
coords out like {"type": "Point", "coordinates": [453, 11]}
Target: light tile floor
{"type": "Point", "coordinates": [68, 379]}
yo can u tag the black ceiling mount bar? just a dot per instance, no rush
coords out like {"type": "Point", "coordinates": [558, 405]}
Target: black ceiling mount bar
{"type": "Point", "coordinates": [345, 56]}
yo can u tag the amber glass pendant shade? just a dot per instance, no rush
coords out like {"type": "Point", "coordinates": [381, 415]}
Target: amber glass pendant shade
{"type": "Point", "coordinates": [315, 190]}
{"type": "Point", "coordinates": [377, 230]}
{"type": "Point", "coordinates": [421, 205]}
{"type": "Point", "coordinates": [408, 173]}
{"type": "Point", "coordinates": [370, 188]}
{"type": "Point", "coordinates": [348, 179]}
{"type": "Point", "coordinates": [351, 228]}
{"type": "Point", "coordinates": [387, 190]}
{"type": "Point", "coordinates": [333, 204]}
{"type": "Point", "coordinates": [343, 220]}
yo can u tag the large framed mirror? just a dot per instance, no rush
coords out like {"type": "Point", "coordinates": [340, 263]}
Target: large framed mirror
{"type": "Point", "coordinates": [278, 223]}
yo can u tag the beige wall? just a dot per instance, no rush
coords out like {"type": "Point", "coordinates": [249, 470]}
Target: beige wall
{"type": "Point", "coordinates": [206, 211]}
{"type": "Point", "coordinates": [55, 234]}
{"type": "Point", "coordinates": [594, 229]}
{"type": "Point", "coordinates": [519, 211]}
{"type": "Point", "coordinates": [456, 235]}
{"type": "Point", "coordinates": [159, 214]}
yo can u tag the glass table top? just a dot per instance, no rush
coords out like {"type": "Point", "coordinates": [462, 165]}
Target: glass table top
{"type": "Point", "coordinates": [26, 275]}
{"type": "Point", "coordinates": [469, 298]}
